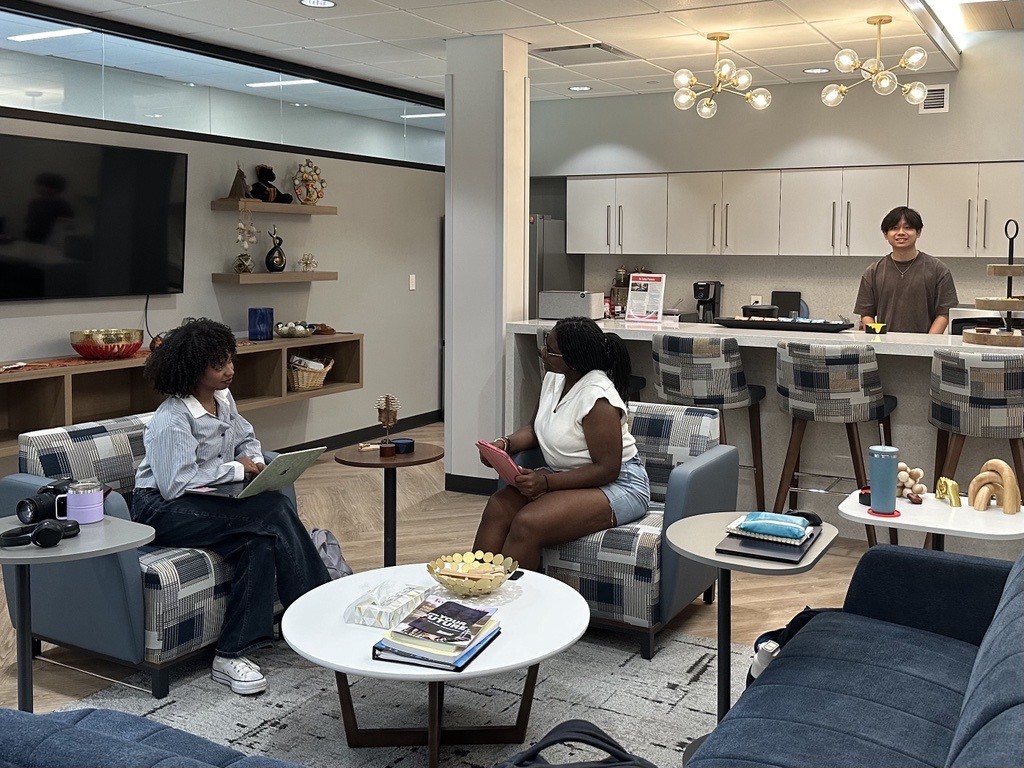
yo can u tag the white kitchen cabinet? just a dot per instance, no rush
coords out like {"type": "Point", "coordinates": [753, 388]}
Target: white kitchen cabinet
{"type": "Point", "coordinates": [1000, 197]}
{"type": "Point", "coordinates": [946, 196]}
{"type": "Point", "coordinates": [810, 212]}
{"type": "Point", "coordinates": [589, 203]}
{"type": "Point", "coordinates": [694, 213]}
{"type": "Point", "coordinates": [750, 213]}
{"type": "Point", "coordinates": [608, 214]}
{"type": "Point", "coordinates": [869, 194]}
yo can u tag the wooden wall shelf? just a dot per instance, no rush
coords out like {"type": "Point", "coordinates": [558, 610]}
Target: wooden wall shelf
{"type": "Point", "coordinates": [105, 389]}
{"type": "Point", "coordinates": [258, 206]}
{"type": "Point", "coordinates": [263, 278]}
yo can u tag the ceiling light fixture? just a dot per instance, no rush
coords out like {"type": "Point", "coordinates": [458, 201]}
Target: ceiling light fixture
{"type": "Point", "coordinates": [48, 35]}
{"type": "Point", "coordinates": [154, 115]}
{"type": "Point", "coordinates": [884, 81]}
{"type": "Point", "coordinates": [728, 79]}
{"type": "Point", "coordinates": [817, 71]}
{"type": "Point", "coordinates": [318, 3]}
{"type": "Point", "coordinates": [422, 115]}
{"type": "Point", "coordinates": [580, 88]}
{"type": "Point", "coordinates": [276, 83]}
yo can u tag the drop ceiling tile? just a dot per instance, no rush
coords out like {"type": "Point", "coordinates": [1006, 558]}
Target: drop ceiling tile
{"type": "Point", "coordinates": [229, 13]}
{"type": "Point", "coordinates": [429, 86]}
{"type": "Point", "coordinates": [847, 30]}
{"type": "Point", "coordinates": [763, 77]}
{"type": "Point", "coordinates": [774, 37]}
{"type": "Point", "coordinates": [343, 8]}
{"type": "Point", "coordinates": [597, 88]}
{"type": "Point", "coordinates": [794, 73]}
{"type": "Point", "coordinates": [153, 19]}
{"type": "Point", "coordinates": [554, 75]}
{"type": "Point", "coordinates": [415, 68]}
{"type": "Point", "coordinates": [311, 58]}
{"type": "Point", "coordinates": [305, 34]}
{"type": "Point", "coordinates": [676, 45]}
{"type": "Point", "coordinates": [371, 53]}
{"type": "Point", "coordinates": [535, 64]}
{"type": "Point", "coordinates": [407, 5]}
{"type": "Point", "coordinates": [619, 69]}
{"type": "Point", "coordinates": [768, 13]}
{"type": "Point", "coordinates": [548, 36]}
{"type": "Point", "coordinates": [539, 94]}
{"type": "Point", "coordinates": [485, 16]}
{"type": "Point", "coordinates": [647, 84]}
{"type": "Point", "coordinates": [91, 6]}
{"type": "Point", "coordinates": [231, 38]}
{"type": "Point", "coordinates": [397, 25]}
{"type": "Point", "coordinates": [584, 10]}
{"type": "Point", "coordinates": [705, 61]}
{"type": "Point", "coordinates": [685, 5]}
{"type": "Point", "coordinates": [431, 46]}
{"type": "Point", "coordinates": [816, 10]}
{"type": "Point", "coordinates": [822, 55]}
{"type": "Point", "coordinates": [616, 31]}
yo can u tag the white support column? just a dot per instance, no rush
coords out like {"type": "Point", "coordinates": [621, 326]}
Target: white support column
{"type": "Point", "coordinates": [487, 172]}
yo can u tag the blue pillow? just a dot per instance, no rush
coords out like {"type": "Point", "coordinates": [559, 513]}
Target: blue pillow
{"type": "Point", "coordinates": [772, 524]}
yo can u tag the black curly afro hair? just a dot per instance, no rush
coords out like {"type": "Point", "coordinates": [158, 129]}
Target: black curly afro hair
{"type": "Point", "coordinates": [178, 364]}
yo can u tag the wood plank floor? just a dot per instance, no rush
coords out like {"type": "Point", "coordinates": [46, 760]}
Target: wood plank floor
{"type": "Point", "coordinates": [432, 521]}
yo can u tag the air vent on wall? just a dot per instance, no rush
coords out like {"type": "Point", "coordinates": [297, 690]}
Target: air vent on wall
{"type": "Point", "coordinates": [937, 100]}
{"type": "Point", "coordinates": [591, 53]}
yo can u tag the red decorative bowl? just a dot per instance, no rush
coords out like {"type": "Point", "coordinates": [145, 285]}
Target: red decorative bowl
{"type": "Point", "coordinates": [107, 343]}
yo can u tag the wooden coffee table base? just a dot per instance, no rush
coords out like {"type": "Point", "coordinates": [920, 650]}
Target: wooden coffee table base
{"type": "Point", "coordinates": [435, 734]}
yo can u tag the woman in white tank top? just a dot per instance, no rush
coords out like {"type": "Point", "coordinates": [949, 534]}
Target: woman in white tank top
{"type": "Point", "coordinates": [593, 479]}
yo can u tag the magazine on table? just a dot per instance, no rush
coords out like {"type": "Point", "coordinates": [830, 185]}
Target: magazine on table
{"type": "Point", "coordinates": [441, 622]}
{"type": "Point", "coordinates": [383, 650]}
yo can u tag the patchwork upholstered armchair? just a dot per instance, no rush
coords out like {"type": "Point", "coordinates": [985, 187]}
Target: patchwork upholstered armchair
{"type": "Point", "coordinates": [632, 580]}
{"type": "Point", "coordinates": [149, 608]}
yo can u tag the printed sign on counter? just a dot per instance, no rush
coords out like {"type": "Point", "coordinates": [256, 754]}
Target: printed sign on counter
{"type": "Point", "coordinates": [646, 297]}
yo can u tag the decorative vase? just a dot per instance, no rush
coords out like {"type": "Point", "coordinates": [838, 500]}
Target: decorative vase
{"type": "Point", "coordinates": [261, 323]}
{"type": "Point", "coordinates": [244, 263]}
{"type": "Point", "coordinates": [276, 259]}
{"type": "Point", "coordinates": [309, 187]}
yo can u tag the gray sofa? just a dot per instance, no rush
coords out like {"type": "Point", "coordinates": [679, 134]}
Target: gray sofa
{"type": "Point", "coordinates": [924, 666]}
{"type": "Point", "coordinates": [101, 737]}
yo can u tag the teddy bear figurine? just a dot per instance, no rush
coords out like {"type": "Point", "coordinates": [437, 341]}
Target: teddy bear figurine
{"type": "Point", "coordinates": [264, 189]}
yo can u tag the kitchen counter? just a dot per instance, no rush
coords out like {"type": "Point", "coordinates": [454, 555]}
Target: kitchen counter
{"type": "Point", "coordinates": [904, 361]}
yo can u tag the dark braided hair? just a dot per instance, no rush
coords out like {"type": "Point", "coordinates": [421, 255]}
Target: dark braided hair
{"type": "Point", "coordinates": [585, 347]}
{"type": "Point", "coordinates": [178, 364]}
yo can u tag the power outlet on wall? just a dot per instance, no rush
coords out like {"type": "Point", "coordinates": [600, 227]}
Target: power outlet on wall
{"type": "Point", "coordinates": [755, 298]}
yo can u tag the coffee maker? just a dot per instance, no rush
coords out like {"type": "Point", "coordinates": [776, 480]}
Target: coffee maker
{"type": "Point", "coordinates": [708, 294]}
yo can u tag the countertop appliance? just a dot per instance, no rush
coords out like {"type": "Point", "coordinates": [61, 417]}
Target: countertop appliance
{"type": "Point", "coordinates": [551, 268]}
{"type": "Point", "coordinates": [708, 294]}
{"type": "Point", "coordinates": [554, 305]}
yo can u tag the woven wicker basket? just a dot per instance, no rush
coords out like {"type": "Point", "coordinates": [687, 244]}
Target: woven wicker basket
{"type": "Point", "coordinates": [303, 379]}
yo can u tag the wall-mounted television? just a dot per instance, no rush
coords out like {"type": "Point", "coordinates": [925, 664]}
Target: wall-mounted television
{"type": "Point", "coordinates": [81, 220]}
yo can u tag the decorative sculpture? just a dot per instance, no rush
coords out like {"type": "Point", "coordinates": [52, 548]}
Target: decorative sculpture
{"type": "Point", "coordinates": [246, 236]}
{"type": "Point", "coordinates": [387, 414]}
{"type": "Point", "coordinates": [949, 490]}
{"type": "Point", "coordinates": [309, 186]}
{"type": "Point", "coordinates": [996, 480]}
{"type": "Point", "coordinates": [276, 260]}
{"type": "Point", "coordinates": [240, 187]}
{"type": "Point", "coordinates": [308, 262]}
{"type": "Point", "coordinates": [908, 481]}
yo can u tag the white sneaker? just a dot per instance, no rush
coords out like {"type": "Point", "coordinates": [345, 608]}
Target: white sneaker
{"type": "Point", "coordinates": [243, 676]}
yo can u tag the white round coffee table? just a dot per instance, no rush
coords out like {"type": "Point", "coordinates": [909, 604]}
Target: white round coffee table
{"type": "Point", "coordinates": [539, 618]}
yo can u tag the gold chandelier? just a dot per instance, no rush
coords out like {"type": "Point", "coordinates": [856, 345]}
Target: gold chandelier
{"type": "Point", "coordinates": [728, 79]}
{"type": "Point", "coordinates": [883, 80]}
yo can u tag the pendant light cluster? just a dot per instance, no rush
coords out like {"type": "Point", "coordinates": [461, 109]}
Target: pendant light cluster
{"type": "Point", "coordinates": [728, 79]}
{"type": "Point", "coordinates": [883, 80]}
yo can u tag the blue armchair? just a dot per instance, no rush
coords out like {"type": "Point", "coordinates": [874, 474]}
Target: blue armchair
{"type": "Point", "coordinates": [632, 580]}
{"type": "Point", "coordinates": [149, 608]}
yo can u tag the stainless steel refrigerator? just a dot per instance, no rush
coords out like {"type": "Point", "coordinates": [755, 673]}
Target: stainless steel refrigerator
{"type": "Point", "coordinates": [551, 268]}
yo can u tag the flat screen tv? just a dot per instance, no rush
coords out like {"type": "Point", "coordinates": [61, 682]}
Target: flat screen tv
{"type": "Point", "coordinates": [80, 220]}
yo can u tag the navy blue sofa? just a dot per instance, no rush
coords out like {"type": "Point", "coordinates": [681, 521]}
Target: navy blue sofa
{"type": "Point", "coordinates": [923, 667]}
{"type": "Point", "coordinates": [90, 738]}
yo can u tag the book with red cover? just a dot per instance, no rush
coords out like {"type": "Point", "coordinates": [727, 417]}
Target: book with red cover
{"type": "Point", "coordinates": [500, 461]}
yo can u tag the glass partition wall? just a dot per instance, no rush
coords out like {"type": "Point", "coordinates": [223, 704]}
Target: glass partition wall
{"type": "Point", "coordinates": [57, 68]}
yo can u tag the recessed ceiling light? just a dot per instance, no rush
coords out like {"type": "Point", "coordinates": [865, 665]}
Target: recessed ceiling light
{"type": "Point", "coordinates": [276, 83]}
{"type": "Point", "coordinates": [191, 85]}
{"type": "Point", "coordinates": [47, 35]}
{"type": "Point", "coordinates": [318, 3]}
{"type": "Point", "coordinates": [817, 71]}
{"type": "Point", "coordinates": [580, 88]}
{"type": "Point", "coordinates": [155, 114]}
{"type": "Point", "coordinates": [422, 115]}
{"type": "Point", "coordinates": [298, 104]}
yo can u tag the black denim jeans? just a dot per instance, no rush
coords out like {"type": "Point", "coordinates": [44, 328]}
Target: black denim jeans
{"type": "Point", "coordinates": [264, 540]}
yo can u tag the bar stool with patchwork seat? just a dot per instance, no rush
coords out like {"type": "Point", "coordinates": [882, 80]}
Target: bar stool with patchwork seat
{"type": "Point", "coordinates": [975, 394]}
{"type": "Point", "coordinates": [836, 383]}
{"type": "Point", "coordinates": [707, 372]}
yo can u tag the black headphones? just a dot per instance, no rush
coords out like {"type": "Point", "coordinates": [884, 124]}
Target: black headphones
{"type": "Point", "coordinates": [48, 533]}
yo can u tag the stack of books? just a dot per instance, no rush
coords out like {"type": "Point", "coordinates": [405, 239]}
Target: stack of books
{"type": "Point", "coordinates": [764, 546]}
{"type": "Point", "coordinates": [439, 633]}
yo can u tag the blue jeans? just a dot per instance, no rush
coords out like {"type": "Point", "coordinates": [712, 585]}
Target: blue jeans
{"type": "Point", "coordinates": [264, 540]}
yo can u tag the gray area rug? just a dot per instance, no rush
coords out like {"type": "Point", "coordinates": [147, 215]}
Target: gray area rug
{"type": "Point", "coordinates": [654, 708]}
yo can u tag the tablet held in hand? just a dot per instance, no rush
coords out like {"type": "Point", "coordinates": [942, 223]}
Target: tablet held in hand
{"type": "Point", "coordinates": [500, 461]}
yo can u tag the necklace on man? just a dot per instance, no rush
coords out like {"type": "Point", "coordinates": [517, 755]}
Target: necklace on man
{"type": "Point", "coordinates": [903, 271]}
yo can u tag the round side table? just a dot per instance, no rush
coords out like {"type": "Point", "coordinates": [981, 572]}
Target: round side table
{"type": "Point", "coordinates": [425, 453]}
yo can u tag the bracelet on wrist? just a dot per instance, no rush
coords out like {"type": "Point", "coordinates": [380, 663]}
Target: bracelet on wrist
{"type": "Point", "coordinates": [547, 485]}
{"type": "Point", "coordinates": [505, 443]}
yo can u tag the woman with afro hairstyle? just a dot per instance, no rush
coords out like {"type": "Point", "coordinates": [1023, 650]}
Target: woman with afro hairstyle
{"type": "Point", "coordinates": [197, 438]}
{"type": "Point", "coordinates": [593, 479]}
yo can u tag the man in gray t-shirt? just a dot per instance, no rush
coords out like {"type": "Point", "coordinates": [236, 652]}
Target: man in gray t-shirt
{"type": "Point", "coordinates": [908, 290]}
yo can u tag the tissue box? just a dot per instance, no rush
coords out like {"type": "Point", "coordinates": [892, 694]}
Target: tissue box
{"type": "Point", "coordinates": [387, 604]}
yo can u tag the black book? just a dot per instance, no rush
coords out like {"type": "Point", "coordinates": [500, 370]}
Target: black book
{"type": "Point", "coordinates": [767, 550]}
